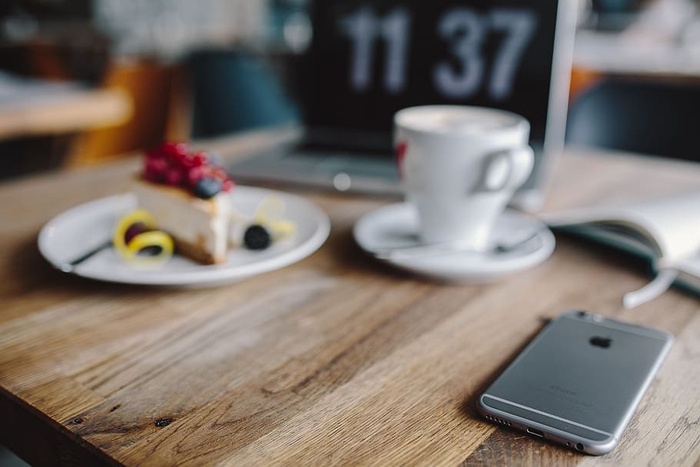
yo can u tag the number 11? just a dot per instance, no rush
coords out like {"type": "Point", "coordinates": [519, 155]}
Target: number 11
{"type": "Point", "coordinates": [363, 27]}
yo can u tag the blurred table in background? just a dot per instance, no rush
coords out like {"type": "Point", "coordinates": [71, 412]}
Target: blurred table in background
{"type": "Point", "coordinates": [651, 40]}
{"type": "Point", "coordinates": [619, 54]}
{"type": "Point", "coordinates": [33, 108]}
{"type": "Point", "coordinates": [39, 120]}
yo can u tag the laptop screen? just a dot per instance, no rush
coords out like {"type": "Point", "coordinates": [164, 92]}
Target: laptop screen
{"type": "Point", "coordinates": [369, 59]}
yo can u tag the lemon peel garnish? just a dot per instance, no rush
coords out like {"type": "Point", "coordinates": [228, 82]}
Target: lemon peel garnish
{"type": "Point", "coordinates": [270, 213]}
{"type": "Point", "coordinates": [150, 238]}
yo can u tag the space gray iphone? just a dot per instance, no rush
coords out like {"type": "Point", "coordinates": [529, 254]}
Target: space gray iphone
{"type": "Point", "coordinates": [579, 381]}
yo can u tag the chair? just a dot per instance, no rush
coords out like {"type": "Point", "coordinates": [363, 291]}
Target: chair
{"type": "Point", "coordinates": [235, 91]}
{"type": "Point", "coordinates": [656, 118]}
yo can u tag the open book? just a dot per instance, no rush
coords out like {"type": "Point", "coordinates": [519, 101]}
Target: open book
{"type": "Point", "coordinates": [664, 230]}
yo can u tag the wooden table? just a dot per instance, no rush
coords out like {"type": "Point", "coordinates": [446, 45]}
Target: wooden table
{"type": "Point", "coordinates": [70, 110]}
{"type": "Point", "coordinates": [334, 360]}
{"type": "Point", "coordinates": [39, 121]}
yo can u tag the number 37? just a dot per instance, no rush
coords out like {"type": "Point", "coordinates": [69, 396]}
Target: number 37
{"type": "Point", "coordinates": [464, 32]}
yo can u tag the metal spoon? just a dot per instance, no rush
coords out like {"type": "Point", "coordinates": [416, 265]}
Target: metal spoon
{"type": "Point", "coordinates": [71, 265]}
{"type": "Point", "coordinates": [435, 249]}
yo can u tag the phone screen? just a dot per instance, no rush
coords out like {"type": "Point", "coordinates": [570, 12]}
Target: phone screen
{"type": "Point", "coordinates": [579, 381]}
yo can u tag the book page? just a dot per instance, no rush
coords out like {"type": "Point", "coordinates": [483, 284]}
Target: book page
{"type": "Point", "coordinates": [670, 226]}
{"type": "Point", "coordinates": [689, 273]}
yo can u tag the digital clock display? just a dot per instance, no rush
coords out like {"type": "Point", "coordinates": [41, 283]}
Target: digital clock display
{"type": "Point", "coordinates": [371, 58]}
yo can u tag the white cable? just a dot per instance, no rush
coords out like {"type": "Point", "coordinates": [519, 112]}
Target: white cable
{"type": "Point", "coordinates": [653, 289]}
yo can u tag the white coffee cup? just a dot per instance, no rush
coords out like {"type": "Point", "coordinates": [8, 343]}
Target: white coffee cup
{"type": "Point", "coordinates": [459, 167]}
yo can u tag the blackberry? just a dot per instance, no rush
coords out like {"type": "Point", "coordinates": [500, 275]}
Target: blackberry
{"type": "Point", "coordinates": [256, 237]}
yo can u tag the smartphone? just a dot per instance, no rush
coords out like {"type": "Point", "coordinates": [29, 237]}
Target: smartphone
{"type": "Point", "coordinates": [578, 382]}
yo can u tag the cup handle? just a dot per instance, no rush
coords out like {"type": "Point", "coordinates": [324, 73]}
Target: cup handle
{"type": "Point", "coordinates": [506, 169]}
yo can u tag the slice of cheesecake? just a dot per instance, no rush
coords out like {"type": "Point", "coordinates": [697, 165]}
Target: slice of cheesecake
{"type": "Point", "coordinates": [188, 197]}
{"type": "Point", "coordinates": [199, 227]}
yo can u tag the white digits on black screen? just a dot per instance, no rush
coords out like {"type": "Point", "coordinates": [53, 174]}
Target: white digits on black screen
{"type": "Point", "coordinates": [464, 33]}
{"type": "Point", "coordinates": [519, 26]}
{"type": "Point", "coordinates": [395, 31]}
{"type": "Point", "coordinates": [461, 75]}
{"type": "Point", "coordinates": [363, 28]}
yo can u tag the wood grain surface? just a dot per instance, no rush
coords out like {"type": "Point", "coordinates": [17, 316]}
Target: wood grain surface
{"type": "Point", "coordinates": [335, 360]}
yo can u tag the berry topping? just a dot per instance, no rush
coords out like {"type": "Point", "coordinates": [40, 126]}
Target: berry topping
{"type": "Point", "coordinates": [174, 176]}
{"type": "Point", "coordinates": [207, 187]}
{"type": "Point", "coordinates": [227, 185]}
{"type": "Point", "coordinates": [133, 230]}
{"type": "Point", "coordinates": [173, 149]}
{"type": "Point", "coordinates": [174, 164]}
{"type": "Point", "coordinates": [198, 159]}
{"type": "Point", "coordinates": [195, 174]}
{"type": "Point", "coordinates": [256, 237]}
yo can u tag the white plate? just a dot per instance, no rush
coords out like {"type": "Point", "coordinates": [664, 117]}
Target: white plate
{"type": "Point", "coordinates": [82, 228]}
{"type": "Point", "coordinates": [394, 228]}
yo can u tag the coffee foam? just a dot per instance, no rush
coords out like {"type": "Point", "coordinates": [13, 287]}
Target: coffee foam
{"type": "Point", "coordinates": [456, 120]}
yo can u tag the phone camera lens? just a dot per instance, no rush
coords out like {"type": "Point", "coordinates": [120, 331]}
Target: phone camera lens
{"type": "Point", "coordinates": [579, 447]}
{"type": "Point", "coordinates": [582, 314]}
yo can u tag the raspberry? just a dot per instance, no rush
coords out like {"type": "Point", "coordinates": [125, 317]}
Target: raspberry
{"type": "Point", "coordinates": [219, 173]}
{"type": "Point", "coordinates": [228, 185]}
{"type": "Point", "coordinates": [173, 149]}
{"type": "Point", "coordinates": [174, 176]}
{"type": "Point", "coordinates": [154, 169]}
{"type": "Point", "coordinates": [198, 159]}
{"type": "Point", "coordinates": [156, 163]}
{"type": "Point", "coordinates": [172, 163]}
{"type": "Point", "coordinates": [195, 174]}
{"type": "Point", "coordinates": [222, 173]}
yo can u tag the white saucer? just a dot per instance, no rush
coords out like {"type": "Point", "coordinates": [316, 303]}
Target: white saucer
{"type": "Point", "coordinates": [82, 228]}
{"type": "Point", "coordinates": [395, 227]}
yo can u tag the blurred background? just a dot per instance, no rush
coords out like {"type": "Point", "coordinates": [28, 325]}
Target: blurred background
{"type": "Point", "coordinates": [132, 69]}
{"type": "Point", "coordinates": [122, 75]}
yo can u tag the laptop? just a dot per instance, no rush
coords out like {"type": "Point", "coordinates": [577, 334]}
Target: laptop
{"type": "Point", "coordinates": [369, 59]}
